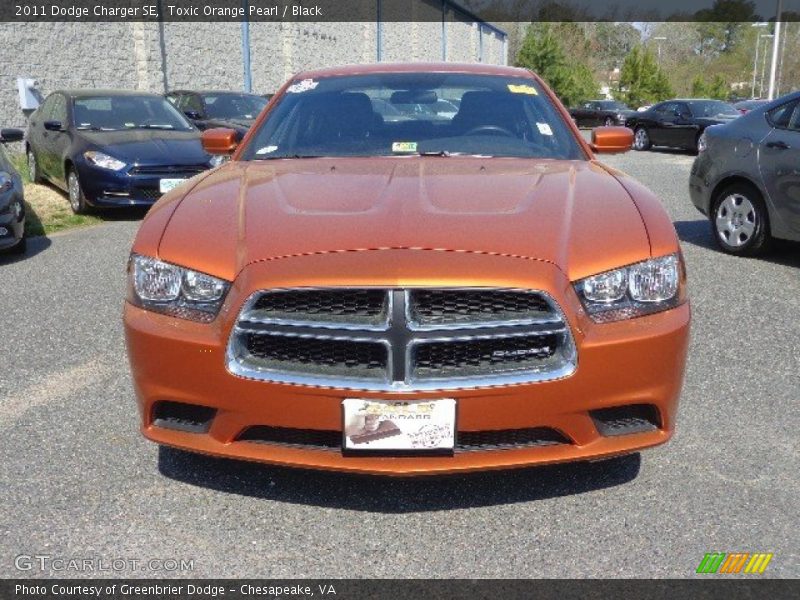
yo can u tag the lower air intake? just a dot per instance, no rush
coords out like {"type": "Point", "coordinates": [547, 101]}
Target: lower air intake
{"type": "Point", "coordinates": [183, 417]}
{"type": "Point", "coordinates": [624, 420]}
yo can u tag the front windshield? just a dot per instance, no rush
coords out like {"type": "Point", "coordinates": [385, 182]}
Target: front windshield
{"type": "Point", "coordinates": [115, 113]}
{"type": "Point", "coordinates": [233, 106]}
{"type": "Point", "coordinates": [712, 108]}
{"type": "Point", "coordinates": [392, 114]}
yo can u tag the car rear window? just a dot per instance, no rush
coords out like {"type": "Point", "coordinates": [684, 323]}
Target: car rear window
{"type": "Point", "coordinates": [414, 113]}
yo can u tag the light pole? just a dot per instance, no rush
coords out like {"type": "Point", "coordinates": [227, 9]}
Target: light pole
{"type": "Point", "coordinates": [755, 60]}
{"type": "Point", "coordinates": [775, 45]}
{"type": "Point", "coordinates": [763, 65]}
{"type": "Point", "coordinates": [659, 39]}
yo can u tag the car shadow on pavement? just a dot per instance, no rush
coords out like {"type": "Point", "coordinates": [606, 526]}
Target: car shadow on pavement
{"type": "Point", "coordinates": [35, 246]}
{"type": "Point", "coordinates": [698, 233]}
{"type": "Point", "coordinates": [395, 494]}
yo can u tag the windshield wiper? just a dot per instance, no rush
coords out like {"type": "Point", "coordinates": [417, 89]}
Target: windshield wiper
{"type": "Point", "coordinates": [153, 126]}
{"type": "Point", "coordinates": [284, 156]}
{"type": "Point", "coordinates": [447, 153]}
{"type": "Point", "coordinates": [94, 128]}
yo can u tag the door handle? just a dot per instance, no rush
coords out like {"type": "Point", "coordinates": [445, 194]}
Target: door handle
{"type": "Point", "coordinates": [780, 145]}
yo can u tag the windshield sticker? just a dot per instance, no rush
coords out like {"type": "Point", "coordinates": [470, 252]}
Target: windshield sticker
{"type": "Point", "coordinates": [302, 86]}
{"type": "Point", "coordinates": [544, 129]}
{"type": "Point", "coordinates": [522, 89]}
{"type": "Point", "coordinates": [266, 150]}
{"type": "Point", "coordinates": [404, 146]}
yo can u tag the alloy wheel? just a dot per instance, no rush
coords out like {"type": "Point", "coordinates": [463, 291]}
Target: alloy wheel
{"type": "Point", "coordinates": [74, 188]}
{"type": "Point", "coordinates": [32, 166]}
{"type": "Point", "coordinates": [641, 139]}
{"type": "Point", "coordinates": [609, 122]}
{"type": "Point", "coordinates": [736, 220]}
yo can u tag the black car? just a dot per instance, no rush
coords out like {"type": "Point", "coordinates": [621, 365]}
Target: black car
{"type": "Point", "coordinates": [601, 112]}
{"type": "Point", "coordinates": [678, 123]}
{"type": "Point", "coordinates": [112, 148]}
{"type": "Point", "coordinates": [12, 204]}
{"type": "Point", "coordinates": [745, 106]}
{"type": "Point", "coordinates": [233, 110]}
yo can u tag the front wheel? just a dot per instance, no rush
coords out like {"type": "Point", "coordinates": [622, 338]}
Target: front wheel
{"type": "Point", "coordinates": [641, 139]}
{"type": "Point", "coordinates": [77, 200]}
{"type": "Point", "coordinates": [739, 221]}
{"type": "Point", "coordinates": [608, 122]}
{"type": "Point", "coordinates": [33, 167]}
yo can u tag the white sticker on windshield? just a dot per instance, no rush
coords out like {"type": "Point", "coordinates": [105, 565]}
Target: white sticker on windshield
{"type": "Point", "coordinates": [544, 129]}
{"type": "Point", "coordinates": [302, 86]}
{"type": "Point", "coordinates": [266, 150]}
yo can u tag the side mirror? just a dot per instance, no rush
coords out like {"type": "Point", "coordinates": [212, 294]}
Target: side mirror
{"type": "Point", "coordinates": [53, 126]}
{"type": "Point", "coordinates": [611, 140]}
{"type": "Point", "coordinates": [11, 135]}
{"type": "Point", "coordinates": [220, 141]}
{"type": "Point", "coordinates": [193, 114]}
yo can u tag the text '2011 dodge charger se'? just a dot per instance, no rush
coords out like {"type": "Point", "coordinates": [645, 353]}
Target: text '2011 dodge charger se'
{"type": "Point", "coordinates": [409, 297]}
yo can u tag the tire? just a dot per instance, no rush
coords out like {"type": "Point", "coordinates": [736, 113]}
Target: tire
{"type": "Point", "coordinates": [740, 221]}
{"type": "Point", "coordinates": [608, 122]}
{"type": "Point", "coordinates": [77, 200]}
{"type": "Point", "coordinates": [33, 168]}
{"type": "Point", "coordinates": [696, 148]}
{"type": "Point", "coordinates": [641, 139]}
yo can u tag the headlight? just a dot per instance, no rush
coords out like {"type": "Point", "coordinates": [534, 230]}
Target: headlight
{"type": "Point", "coordinates": [640, 289]}
{"type": "Point", "coordinates": [104, 161]}
{"type": "Point", "coordinates": [217, 160]}
{"type": "Point", "coordinates": [172, 290]}
{"type": "Point", "coordinates": [6, 182]}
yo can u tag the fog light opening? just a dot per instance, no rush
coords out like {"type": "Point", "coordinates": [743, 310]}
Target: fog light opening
{"type": "Point", "coordinates": [180, 416]}
{"type": "Point", "coordinates": [625, 420]}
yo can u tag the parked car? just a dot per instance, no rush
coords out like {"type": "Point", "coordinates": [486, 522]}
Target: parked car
{"type": "Point", "coordinates": [745, 106]}
{"type": "Point", "coordinates": [12, 200]}
{"type": "Point", "coordinates": [109, 148]}
{"type": "Point", "coordinates": [678, 123]}
{"type": "Point", "coordinates": [601, 112]}
{"type": "Point", "coordinates": [410, 297]}
{"type": "Point", "coordinates": [208, 109]}
{"type": "Point", "coordinates": [747, 181]}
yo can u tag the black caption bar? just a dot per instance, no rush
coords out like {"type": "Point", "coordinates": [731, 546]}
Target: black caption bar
{"type": "Point", "coordinates": [349, 589]}
{"type": "Point", "coordinates": [395, 10]}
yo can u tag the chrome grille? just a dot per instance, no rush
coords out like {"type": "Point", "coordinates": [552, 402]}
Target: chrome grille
{"type": "Point", "coordinates": [401, 339]}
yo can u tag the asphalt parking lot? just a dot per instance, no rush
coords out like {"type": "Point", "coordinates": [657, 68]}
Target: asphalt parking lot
{"type": "Point", "coordinates": [79, 482]}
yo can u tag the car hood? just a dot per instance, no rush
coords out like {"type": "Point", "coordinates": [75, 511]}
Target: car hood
{"type": "Point", "coordinates": [149, 146]}
{"type": "Point", "coordinates": [574, 214]}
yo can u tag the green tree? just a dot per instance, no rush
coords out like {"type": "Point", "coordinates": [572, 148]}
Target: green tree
{"type": "Point", "coordinates": [699, 89]}
{"type": "Point", "coordinates": [572, 80]}
{"type": "Point", "coordinates": [641, 79]}
{"type": "Point", "coordinates": [719, 89]}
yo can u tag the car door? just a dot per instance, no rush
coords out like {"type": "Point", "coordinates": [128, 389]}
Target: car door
{"type": "Point", "coordinates": [683, 131]}
{"type": "Point", "coordinates": [59, 141]}
{"type": "Point", "coordinates": [582, 114]}
{"type": "Point", "coordinates": [36, 131]}
{"type": "Point", "coordinates": [665, 124]}
{"type": "Point", "coordinates": [779, 163]}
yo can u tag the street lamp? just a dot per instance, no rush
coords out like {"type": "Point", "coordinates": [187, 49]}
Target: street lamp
{"type": "Point", "coordinates": [763, 64]}
{"type": "Point", "coordinates": [659, 39]}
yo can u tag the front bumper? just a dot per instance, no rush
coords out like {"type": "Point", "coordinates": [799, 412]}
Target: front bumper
{"type": "Point", "coordinates": [634, 362]}
{"type": "Point", "coordinates": [107, 189]}
{"type": "Point", "coordinates": [12, 224]}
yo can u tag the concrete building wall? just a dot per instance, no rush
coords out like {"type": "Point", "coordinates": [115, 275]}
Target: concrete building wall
{"type": "Point", "coordinates": [161, 56]}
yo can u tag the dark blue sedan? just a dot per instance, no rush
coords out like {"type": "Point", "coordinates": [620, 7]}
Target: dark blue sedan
{"type": "Point", "coordinates": [12, 204]}
{"type": "Point", "coordinates": [112, 148]}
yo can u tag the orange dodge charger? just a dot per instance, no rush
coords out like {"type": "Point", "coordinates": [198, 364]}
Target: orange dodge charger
{"type": "Point", "coordinates": [409, 269]}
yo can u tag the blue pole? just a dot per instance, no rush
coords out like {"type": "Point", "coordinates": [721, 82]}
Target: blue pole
{"type": "Point", "coordinates": [248, 78]}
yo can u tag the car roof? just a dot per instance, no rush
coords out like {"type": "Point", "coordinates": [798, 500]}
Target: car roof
{"type": "Point", "coordinates": [212, 92]}
{"type": "Point", "coordinates": [419, 67]}
{"type": "Point", "coordinates": [86, 93]}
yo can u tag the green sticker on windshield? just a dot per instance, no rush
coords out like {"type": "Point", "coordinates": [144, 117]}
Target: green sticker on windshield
{"type": "Point", "coordinates": [404, 146]}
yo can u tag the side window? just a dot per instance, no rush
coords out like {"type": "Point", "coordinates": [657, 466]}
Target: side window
{"type": "Point", "coordinates": [785, 116]}
{"type": "Point", "coordinates": [683, 109]}
{"type": "Point", "coordinates": [46, 109]}
{"type": "Point", "coordinates": [192, 102]}
{"type": "Point", "coordinates": [59, 112]}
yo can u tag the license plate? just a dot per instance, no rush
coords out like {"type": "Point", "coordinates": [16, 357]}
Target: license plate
{"type": "Point", "coordinates": [389, 425]}
{"type": "Point", "coordinates": [166, 185]}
